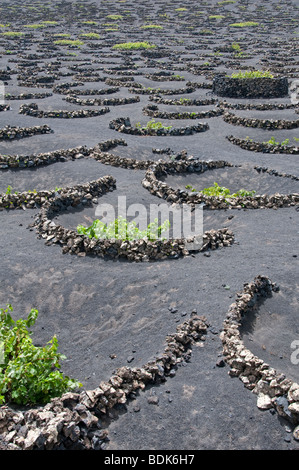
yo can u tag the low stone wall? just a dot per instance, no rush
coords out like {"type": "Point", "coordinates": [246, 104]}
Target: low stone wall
{"type": "Point", "coordinates": [24, 200]}
{"type": "Point", "coordinates": [40, 159]}
{"type": "Point", "coordinates": [74, 420]}
{"type": "Point", "coordinates": [111, 143]}
{"type": "Point", "coordinates": [120, 79]}
{"type": "Point", "coordinates": [14, 132]}
{"type": "Point", "coordinates": [32, 110]}
{"type": "Point", "coordinates": [161, 91]}
{"type": "Point", "coordinates": [161, 189]}
{"type": "Point", "coordinates": [273, 389]}
{"type": "Point", "coordinates": [136, 250]}
{"type": "Point", "coordinates": [33, 199]}
{"type": "Point", "coordinates": [258, 107]}
{"type": "Point", "coordinates": [269, 124]}
{"type": "Point", "coordinates": [200, 85]}
{"type": "Point", "coordinates": [153, 111]}
{"type": "Point", "coordinates": [123, 70]}
{"type": "Point", "coordinates": [120, 82]}
{"type": "Point", "coordinates": [163, 77]}
{"type": "Point", "coordinates": [124, 125]}
{"type": "Point", "coordinates": [183, 101]}
{"type": "Point", "coordinates": [27, 96]}
{"type": "Point", "coordinates": [123, 162]}
{"type": "Point", "coordinates": [250, 88]}
{"type": "Point", "coordinates": [91, 77]}
{"type": "Point", "coordinates": [103, 102]}
{"type": "Point", "coordinates": [67, 89]}
{"type": "Point", "coordinates": [262, 147]}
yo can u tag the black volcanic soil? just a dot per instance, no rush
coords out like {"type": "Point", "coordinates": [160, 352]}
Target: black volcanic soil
{"type": "Point", "coordinates": [102, 308]}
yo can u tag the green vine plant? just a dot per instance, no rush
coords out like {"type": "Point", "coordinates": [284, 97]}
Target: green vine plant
{"type": "Point", "coordinates": [121, 229]}
{"type": "Point", "coordinates": [152, 125]}
{"type": "Point", "coordinates": [133, 45]}
{"type": "Point", "coordinates": [221, 191]}
{"type": "Point", "coordinates": [253, 74]}
{"type": "Point", "coordinates": [29, 374]}
{"type": "Point", "coordinates": [272, 141]}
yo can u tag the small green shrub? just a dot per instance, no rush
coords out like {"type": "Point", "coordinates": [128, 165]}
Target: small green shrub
{"type": "Point", "coordinates": [114, 17]}
{"type": "Point", "coordinates": [253, 74]}
{"type": "Point", "coordinates": [69, 42]}
{"type": "Point", "coordinates": [244, 24]}
{"type": "Point", "coordinates": [272, 141]}
{"type": "Point", "coordinates": [8, 190]}
{"type": "Point", "coordinates": [35, 26]}
{"type": "Point", "coordinates": [205, 32]}
{"type": "Point", "coordinates": [50, 23]}
{"type": "Point", "coordinates": [151, 26]}
{"type": "Point", "coordinates": [90, 35]}
{"type": "Point", "coordinates": [217, 191]}
{"type": "Point", "coordinates": [133, 45]}
{"type": "Point", "coordinates": [152, 125]}
{"type": "Point", "coordinates": [226, 2]}
{"type": "Point", "coordinates": [29, 374]}
{"type": "Point", "coordinates": [89, 22]}
{"type": "Point", "coordinates": [12, 34]}
{"type": "Point", "coordinates": [121, 229]}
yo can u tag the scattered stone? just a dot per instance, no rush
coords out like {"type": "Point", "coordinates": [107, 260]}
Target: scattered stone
{"type": "Point", "coordinates": [153, 400]}
{"type": "Point", "coordinates": [296, 433]}
{"type": "Point", "coordinates": [220, 363]}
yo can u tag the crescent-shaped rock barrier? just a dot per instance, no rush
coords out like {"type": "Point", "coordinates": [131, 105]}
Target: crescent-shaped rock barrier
{"type": "Point", "coordinates": [161, 189]}
{"type": "Point", "coordinates": [135, 250]}
{"type": "Point", "coordinates": [32, 110]}
{"type": "Point", "coordinates": [182, 101]}
{"type": "Point", "coordinates": [124, 125]}
{"type": "Point", "coordinates": [15, 132]}
{"type": "Point", "coordinates": [40, 159]}
{"type": "Point", "coordinates": [251, 87]}
{"type": "Point", "coordinates": [114, 160]}
{"type": "Point", "coordinates": [153, 111]}
{"type": "Point", "coordinates": [47, 158]}
{"type": "Point", "coordinates": [273, 389]}
{"type": "Point", "coordinates": [163, 77]}
{"type": "Point", "coordinates": [73, 421]}
{"type": "Point", "coordinates": [126, 82]}
{"type": "Point", "coordinates": [258, 107]}
{"type": "Point", "coordinates": [67, 90]}
{"type": "Point", "coordinates": [33, 199]}
{"type": "Point", "coordinates": [263, 147]}
{"type": "Point", "coordinates": [104, 102]}
{"type": "Point", "coordinates": [199, 85]}
{"type": "Point", "coordinates": [27, 96]}
{"type": "Point", "coordinates": [160, 91]}
{"type": "Point", "coordinates": [120, 79]}
{"type": "Point", "coordinates": [268, 124]}
{"type": "Point", "coordinates": [89, 78]}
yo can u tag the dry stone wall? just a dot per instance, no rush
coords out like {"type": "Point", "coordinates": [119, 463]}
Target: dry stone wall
{"type": "Point", "coordinates": [161, 189]}
{"type": "Point", "coordinates": [250, 88]}
{"type": "Point", "coordinates": [273, 389]}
